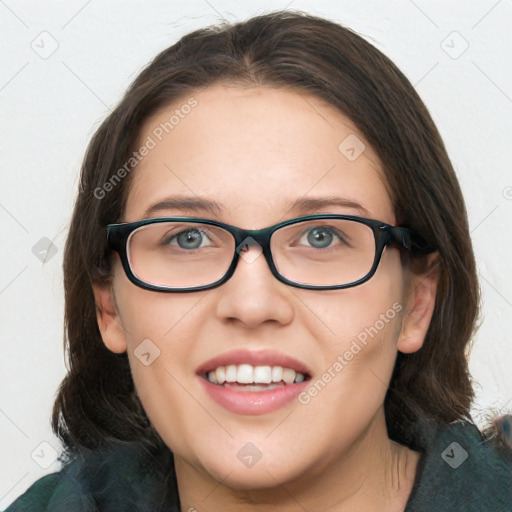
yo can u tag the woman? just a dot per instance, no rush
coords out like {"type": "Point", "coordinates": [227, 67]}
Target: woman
{"type": "Point", "coordinates": [270, 287]}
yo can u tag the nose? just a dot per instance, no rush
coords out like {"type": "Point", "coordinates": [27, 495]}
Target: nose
{"type": "Point", "coordinates": [253, 296]}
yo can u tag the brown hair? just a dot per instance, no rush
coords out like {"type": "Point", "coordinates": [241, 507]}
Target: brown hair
{"type": "Point", "coordinates": [97, 402]}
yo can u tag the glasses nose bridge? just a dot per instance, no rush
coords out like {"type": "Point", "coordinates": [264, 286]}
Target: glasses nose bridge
{"type": "Point", "coordinates": [260, 236]}
{"type": "Point", "coordinates": [247, 237]}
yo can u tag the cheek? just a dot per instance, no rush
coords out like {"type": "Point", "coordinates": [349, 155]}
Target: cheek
{"type": "Point", "coordinates": [168, 402]}
{"type": "Point", "coordinates": [160, 331]}
{"type": "Point", "coordinates": [371, 311]}
{"type": "Point", "coordinates": [358, 362]}
{"type": "Point", "coordinates": [362, 325]}
{"type": "Point", "coordinates": [361, 354]}
{"type": "Point", "coordinates": [151, 315]}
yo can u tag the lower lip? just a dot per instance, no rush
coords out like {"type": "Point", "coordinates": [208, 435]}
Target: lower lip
{"type": "Point", "coordinates": [253, 402]}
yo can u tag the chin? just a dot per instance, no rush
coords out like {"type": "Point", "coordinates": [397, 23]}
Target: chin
{"type": "Point", "coordinates": [262, 475]}
{"type": "Point", "coordinates": [251, 479]}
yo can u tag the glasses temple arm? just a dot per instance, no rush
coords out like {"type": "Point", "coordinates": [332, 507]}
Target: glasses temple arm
{"type": "Point", "coordinates": [405, 238]}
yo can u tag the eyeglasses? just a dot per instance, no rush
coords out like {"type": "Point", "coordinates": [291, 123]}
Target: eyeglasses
{"type": "Point", "coordinates": [316, 252]}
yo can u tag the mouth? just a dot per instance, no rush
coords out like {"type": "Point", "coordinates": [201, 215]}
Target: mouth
{"type": "Point", "coordinates": [246, 377]}
{"type": "Point", "coordinates": [247, 382]}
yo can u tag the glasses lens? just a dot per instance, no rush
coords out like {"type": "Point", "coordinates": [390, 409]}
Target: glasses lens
{"type": "Point", "coordinates": [180, 254]}
{"type": "Point", "coordinates": [325, 252]}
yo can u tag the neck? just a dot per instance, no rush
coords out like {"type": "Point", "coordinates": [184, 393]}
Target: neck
{"type": "Point", "coordinates": [375, 473]}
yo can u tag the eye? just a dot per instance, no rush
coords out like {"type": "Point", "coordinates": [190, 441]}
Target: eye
{"type": "Point", "coordinates": [187, 239]}
{"type": "Point", "coordinates": [321, 237]}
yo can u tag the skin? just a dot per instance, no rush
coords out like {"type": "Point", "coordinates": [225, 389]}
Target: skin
{"type": "Point", "coordinates": [254, 150]}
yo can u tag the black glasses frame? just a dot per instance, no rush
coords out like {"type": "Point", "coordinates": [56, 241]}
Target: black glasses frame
{"type": "Point", "coordinates": [385, 234]}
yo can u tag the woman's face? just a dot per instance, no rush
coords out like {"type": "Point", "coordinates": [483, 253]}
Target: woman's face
{"type": "Point", "coordinates": [254, 152]}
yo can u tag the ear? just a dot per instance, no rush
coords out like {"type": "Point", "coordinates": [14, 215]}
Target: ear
{"type": "Point", "coordinates": [421, 299]}
{"type": "Point", "coordinates": [109, 322]}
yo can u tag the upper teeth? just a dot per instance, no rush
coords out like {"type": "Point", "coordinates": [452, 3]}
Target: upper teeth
{"type": "Point", "coordinates": [248, 374]}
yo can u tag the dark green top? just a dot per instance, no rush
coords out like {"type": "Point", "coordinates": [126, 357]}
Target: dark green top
{"type": "Point", "coordinates": [458, 471]}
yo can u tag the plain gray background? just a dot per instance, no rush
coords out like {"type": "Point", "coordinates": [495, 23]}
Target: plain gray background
{"type": "Point", "coordinates": [65, 64]}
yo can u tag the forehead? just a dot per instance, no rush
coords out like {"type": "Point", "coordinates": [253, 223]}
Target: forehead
{"type": "Point", "coordinates": [254, 152]}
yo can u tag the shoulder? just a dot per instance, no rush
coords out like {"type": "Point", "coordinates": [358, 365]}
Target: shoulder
{"type": "Point", "coordinates": [57, 492]}
{"type": "Point", "coordinates": [113, 479]}
{"type": "Point", "coordinates": [462, 470]}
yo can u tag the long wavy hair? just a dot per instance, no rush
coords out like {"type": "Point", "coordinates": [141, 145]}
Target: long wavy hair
{"type": "Point", "coordinates": [97, 402]}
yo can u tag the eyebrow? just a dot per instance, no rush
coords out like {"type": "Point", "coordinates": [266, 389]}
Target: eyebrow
{"type": "Point", "coordinates": [304, 205]}
{"type": "Point", "coordinates": [185, 203]}
{"type": "Point", "coordinates": [299, 206]}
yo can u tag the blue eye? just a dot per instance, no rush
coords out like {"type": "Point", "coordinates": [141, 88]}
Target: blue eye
{"type": "Point", "coordinates": [188, 239]}
{"type": "Point", "coordinates": [321, 237]}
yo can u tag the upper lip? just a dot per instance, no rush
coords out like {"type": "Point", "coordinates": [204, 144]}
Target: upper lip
{"type": "Point", "coordinates": [254, 358]}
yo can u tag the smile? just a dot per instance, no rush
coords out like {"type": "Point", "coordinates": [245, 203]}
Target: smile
{"type": "Point", "coordinates": [247, 382]}
{"type": "Point", "coordinates": [262, 377]}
